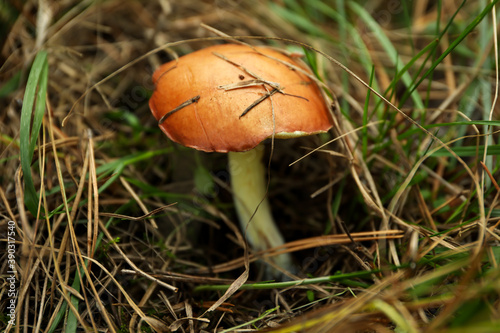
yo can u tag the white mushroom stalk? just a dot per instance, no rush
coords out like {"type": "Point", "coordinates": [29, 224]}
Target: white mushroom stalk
{"type": "Point", "coordinates": [249, 186]}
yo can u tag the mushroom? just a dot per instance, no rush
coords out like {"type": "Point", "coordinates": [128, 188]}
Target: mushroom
{"type": "Point", "coordinates": [230, 98]}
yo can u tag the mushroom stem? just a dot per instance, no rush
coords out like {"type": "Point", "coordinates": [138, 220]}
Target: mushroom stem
{"type": "Point", "coordinates": [249, 191]}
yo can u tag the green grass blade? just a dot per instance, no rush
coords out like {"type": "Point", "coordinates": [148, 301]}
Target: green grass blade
{"type": "Point", "coordinates": [299, 21]}
{"type": "Point", "coordinates": [60, 315]}
{"type": "Point", "coordinates": [402, 325]}
{"type": "Point", "coordinates": [339, 277]}
{"type": "Point", "coordinates": [259, 318]}
{"type": "Point", "coordinates": [72, 321]}
{"type": "Point", "coordinates": [454, 44]}
{"type": "Point", "coordinates": [360, 50]}
{"type": "Point", "coordinates": [39, 107]}
{"type": "Point", "coordinates": [469, 151]}
{"type": "Point", "coordinates": [36, 91]}
{"type": "Point", "coordinates": [11, 85]}
{"type": "Point", "coordinates": [388, 47]}
{"type": "Point", "coordinates": [384, 127]}
{"type": "Point", "coordinates": [365, 117]}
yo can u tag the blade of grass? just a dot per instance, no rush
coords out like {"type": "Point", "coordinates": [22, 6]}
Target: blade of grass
{"type": "Point", "coordinates": [453, 126]}
{"type": "Point", "coordinates": [35, 94]}
{"type": "Point", "coordinates": [434, 51]}
{"type": "Point", "coordinates": [11, 85]}
{"type": "Point", "coordinates": [72, 320]}
{"type": "Point", "coordinates": [130, 159]}
{"type": "Point", "coordinates": [261, 317]}
{"type": "Point", "coordinates": [388, 47]}
{"type": "Point", "coordinates": [429, 48]}
{"type": "Point", "coordinates": [490, 91]}
{"type": "Point", "coordinates": [402, 324]}
{"type": "Point", "coordinates": [453, 45]}
{"type": "Point", "coordinates": [77, 254]}
{"type": "Point", "coordinates": [365, 116]}
{"type": "Point", "coordinates": [299, 21]}
{"type": "Point", "coordinates": [343, 24]}
{"type": "Point", "coordinates": [61, 313]}
{"type": "Point", "coordinates": [115, 168]}
{"type": "Point", "coordinates": [290, 284]}
{"type": "Point", "coordinates": [467, 151]}
{"type": "Point", "coordinates": [360, 51]}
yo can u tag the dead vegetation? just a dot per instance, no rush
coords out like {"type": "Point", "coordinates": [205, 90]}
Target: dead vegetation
{"type": "Point", "coordinates": [392, 221]}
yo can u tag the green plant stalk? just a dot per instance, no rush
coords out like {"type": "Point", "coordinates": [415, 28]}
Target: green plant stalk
{"type": "Point", "coordinates": [288, 284]}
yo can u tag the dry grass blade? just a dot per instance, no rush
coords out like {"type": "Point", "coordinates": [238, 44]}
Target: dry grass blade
{"type": "Point", "coordinates": [307, 243]}
{"type": "Point", "coordinates": [74, 242]}
{"type": "Point", "coordinates": [238, 282]}
{"type": "Point", "coordinates": [392, 218]}
{"type": "Point", "coordinates": [136, 269]}
{"type": "Point", "coordinates": [93, 196]}
{"type": "Point", "coordinates": [138, 218]}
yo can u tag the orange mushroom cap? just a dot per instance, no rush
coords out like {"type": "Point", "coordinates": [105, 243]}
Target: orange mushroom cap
{"type": "Point", "coordinates": [200, 98]}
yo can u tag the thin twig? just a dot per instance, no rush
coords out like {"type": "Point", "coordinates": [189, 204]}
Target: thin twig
{"type": "Point", "coordinates": [258, 101]}
{"type": "Point", "coordinates": [183, 105]}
